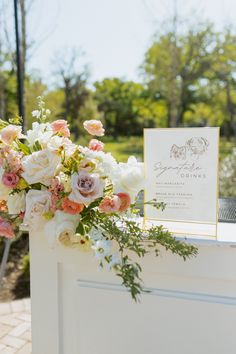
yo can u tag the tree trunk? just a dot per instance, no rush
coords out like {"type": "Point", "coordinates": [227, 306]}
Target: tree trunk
{"type": "Point", "coordinates": [230, 108]}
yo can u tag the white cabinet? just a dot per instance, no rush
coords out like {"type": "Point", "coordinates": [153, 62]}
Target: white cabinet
{"type": "Point", "coordinates": [78, 309]}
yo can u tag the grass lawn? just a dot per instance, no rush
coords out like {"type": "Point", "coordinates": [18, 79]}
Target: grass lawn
{"type": "Point", "coordinates": [124, 147]}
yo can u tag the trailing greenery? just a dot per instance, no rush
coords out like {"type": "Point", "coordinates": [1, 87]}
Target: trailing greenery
{"type": "Point", "coordinates": [132, 241]}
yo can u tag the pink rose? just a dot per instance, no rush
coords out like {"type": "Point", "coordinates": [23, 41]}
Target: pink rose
{"type": "Point", "coordinates": [110, 204]}
{"type": "Point", "coordinates": [6, 228]}
{"type": "Point", "coordinates": [96, 145]}
{"type": "Point", "coordinates": [125, 201]}
{"type": "Point", "coordinates": [10, 179]}
{"type": "Point", "coordinates": [10, 133]}
{"type": "Point", "coordinates": [94, 127]}
{"type": "Point", "coordinates": [60, 126]}
{"type": "Point", "coordinates": [86, 187]}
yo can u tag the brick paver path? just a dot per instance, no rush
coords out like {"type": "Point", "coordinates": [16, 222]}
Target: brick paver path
{"type": "Point", "coordinates": [15, 327]}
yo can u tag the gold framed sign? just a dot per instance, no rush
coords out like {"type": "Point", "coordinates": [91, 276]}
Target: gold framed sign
{"type": "Point", "coordinates": [181, 168]}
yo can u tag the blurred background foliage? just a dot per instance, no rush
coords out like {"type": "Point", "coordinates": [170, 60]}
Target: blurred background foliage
{"type": "Point", "coordinates": [187, 78]}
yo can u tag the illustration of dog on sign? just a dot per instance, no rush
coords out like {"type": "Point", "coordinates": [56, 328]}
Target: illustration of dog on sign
{"type": "Point", "coordinates": [194, 148]}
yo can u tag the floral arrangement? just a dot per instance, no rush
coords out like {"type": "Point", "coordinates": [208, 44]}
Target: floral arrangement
{"type": "Point", "coordinates": [80, 196]}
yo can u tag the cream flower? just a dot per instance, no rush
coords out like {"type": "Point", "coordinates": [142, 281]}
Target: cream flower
{"type": "Point", "coordinates": [58, 143]}
{"type": "Point", "coordinates": [40, 166]}
{"type": "Point", "coordinates": [86, 187]}
{"type": "Point", "coordinates": [65, 180]}
{"type": "Point", "coordinates": [62, 228]}
{"type": "Point", "coordinates": [41, 132]}
{"type": "Point", "coordinates": [16, 203]}
{"type": "Point", "coordinates": [129, 177]}
{"type": "Point", "coordinates": [37, 204]}
{"type": "Point", "coordinates": [105, 162]}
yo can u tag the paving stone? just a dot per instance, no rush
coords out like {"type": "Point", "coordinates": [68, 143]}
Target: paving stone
{"type": "Point", "coordinates": [13, 341]}
{"type": "Point", "coordinates": [17, 306]}
{"type": "Point", "coordinates": [9, 350]}
{"type": "Point", "coordinates": [24, 316]}
{"type": "Point", "coordinates": [15, 327]}
{"type": "Point", "coordinates": [27, 336]}
{"type": "Point", "coordinates": [27, 349]}
{"type": "Point", "coordinates": [20, 329]}
{"type": "Point", "coordinates": [9, 320]}
{"type": "Point", "coordinates": [2, 346]}
{"type": "Point", "coordinates": [27, 304]}
{"type": "Point", "coordinates": [5, 308]}
{"type": "Point", "coordinates": [4, 329]}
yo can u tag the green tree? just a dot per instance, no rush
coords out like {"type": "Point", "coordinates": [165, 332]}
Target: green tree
{"type": "Point", "coordinates": [222, 76]}
{"type": "Point", "coordinates": [173, 67]}
{"type": "Point", "coordinates": [126, 106]}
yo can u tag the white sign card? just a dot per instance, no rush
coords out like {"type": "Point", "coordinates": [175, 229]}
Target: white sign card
{"type": "Point", "coordinates": [181, 167]}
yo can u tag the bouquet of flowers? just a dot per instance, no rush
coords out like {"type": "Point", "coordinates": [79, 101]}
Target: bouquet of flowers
{"type": "Point", "coordinates": [80, 196]}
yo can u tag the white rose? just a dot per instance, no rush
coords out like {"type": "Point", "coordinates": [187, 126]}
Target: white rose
{"type": "Point", "coordinates": [16, 203]}
{"type": "Point", "coordinates": [61, 228]}
{"type": "Point", "coordinates": [4, 191]}
{"type": "Point", "coordinates": [40, 166]}
{"type": "Point", "coordinates": [129, 177]}
{"type": "Point", "coordinates": [105, 162]}
{"type": "Point", "coordinates": [41, 132]}
{"type": "Point", "coordinates": [37, 204]}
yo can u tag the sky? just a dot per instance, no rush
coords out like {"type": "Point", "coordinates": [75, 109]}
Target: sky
{"type": "Point", "coordinates": [113, 34]}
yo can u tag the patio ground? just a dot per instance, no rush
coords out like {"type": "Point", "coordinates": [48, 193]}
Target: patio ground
{"type": "Point", "coordinates": [15, 327]}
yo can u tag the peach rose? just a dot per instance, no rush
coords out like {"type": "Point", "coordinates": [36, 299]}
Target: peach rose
{"type": "Point", "coordinates": [6, 228]}
{"type": "Point", "coordinates": [71, 207]}
{"type": "Point", "coordinates": [60, 126]}
{"type": "Point", "coordinates": [110, 204]}
{"type": "Point", "coordinates": [3, 206]}
{"type": "Point", "coordinates": [10, 133]}
{"type": "Point", "coordinates": [96, 145]}
{"type": "Point", "coordinates": [125, 201]}
{"type": "Point", "coordinates": [94, 127]}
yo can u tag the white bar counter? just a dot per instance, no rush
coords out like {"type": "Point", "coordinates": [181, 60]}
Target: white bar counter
{"type": "Point", "coordinates": [77, 309]}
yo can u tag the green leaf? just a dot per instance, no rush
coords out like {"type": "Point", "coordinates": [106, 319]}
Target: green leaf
{"type": "Point", "coordinates": [17, 120]}
{"type": "Point", "coordinates": [3, 124]}
{"type": "Point", "coordinates": [37, 146]}
{"type": "Point", "coordinates": [80, 229]}
{"type": "Point", "coordinates": [23, 147]}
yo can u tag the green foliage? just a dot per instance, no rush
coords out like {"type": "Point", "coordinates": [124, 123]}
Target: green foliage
{"type": "Point", "coordinates": [132, 239]}
{"type": "Point", "coordinates": [125, 105]}
{"type": "Point", "coordinates": [228, 176]}
{"type": "Point", "coordinates": [26, 265]}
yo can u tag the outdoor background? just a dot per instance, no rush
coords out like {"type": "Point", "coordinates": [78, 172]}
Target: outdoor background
{"type": "Point", "coordinates": [131, 63]}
